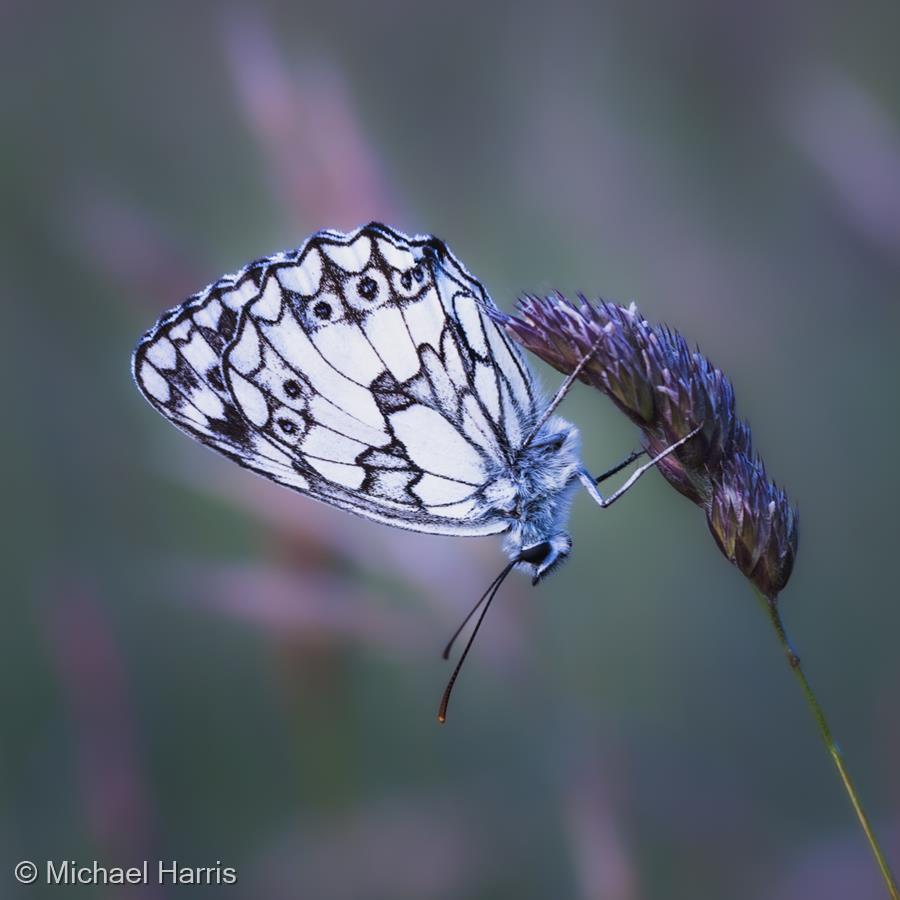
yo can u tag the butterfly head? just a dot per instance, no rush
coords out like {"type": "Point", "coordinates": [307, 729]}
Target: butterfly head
{"type": "Point", "coordinates": [542, 558]}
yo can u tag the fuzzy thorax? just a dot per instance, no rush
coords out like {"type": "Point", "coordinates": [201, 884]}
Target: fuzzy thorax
{"type": "Point", "coordinates": [539, 484]}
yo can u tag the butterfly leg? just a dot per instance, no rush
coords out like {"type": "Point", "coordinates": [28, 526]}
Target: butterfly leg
{"type": "Point", "coordinates": [590, 483]}
{"type": "Point", "coordinates": [635, 454]}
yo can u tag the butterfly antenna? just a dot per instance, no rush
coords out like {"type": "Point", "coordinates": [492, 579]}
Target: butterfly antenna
{"type": "Point", "coordinates": [564, 389]}
{"type": "Point", "coordinates": [472, 611]}
{"type": "Point", "coordinates": [486, 599]}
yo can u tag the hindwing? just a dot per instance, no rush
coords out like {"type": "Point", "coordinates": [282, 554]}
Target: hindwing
{"type": "Point", "coordinates": [363, 369]}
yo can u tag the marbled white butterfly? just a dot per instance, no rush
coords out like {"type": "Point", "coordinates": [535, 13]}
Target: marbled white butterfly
{"type": "Point", "coordinates": [367, 370]}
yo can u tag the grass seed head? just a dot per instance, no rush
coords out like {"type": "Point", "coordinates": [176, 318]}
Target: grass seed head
{"type": "Point", "coordinates": [667, 389]}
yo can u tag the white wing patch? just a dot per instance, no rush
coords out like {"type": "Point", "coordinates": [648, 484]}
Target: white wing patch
{"type": "Point", "coordinates": [268, 306]}
{"type": "Point", "coordinates": [330, 445]}
{"type": "Point", "coordinates": [470, 319]}
{"type": "Point", "coordinates": [208, 316]}
{"type": "Point", "coordinates": [238, 297]}
{"type": "Point", "coordinates": [153, 383]}
{"type": "Point", "coordinates": [305, 277]}
{"type": "Point", "coordinates": [435, 445]}
{"type": "Point", "coordinates": [352, 257]}
{"type": "Point", "coordinates": [425, 320]}
{"type": "Point", "coordinates": [436, 491]}
{"type": "Point", "coordinates": [486, 389]}
{"type": "Point", "coordinates": [163, 354]}
{"type": "Point", "coordinates": [397, 255]}
{"type": "Point", "coordinates": [345, 475]}
{"type": "Point", "coordinates": [386, 332]}
{"type": "Point", "coordinates": [245, 353]}
{"type": "Point", "coordinates": [363, 369]}
{"type": "Point", "coordinates": [345, 348]}
{"type": "Point", "coordinates": [250, 400]}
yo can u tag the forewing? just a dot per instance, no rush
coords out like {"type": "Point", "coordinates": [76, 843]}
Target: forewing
{"type": "Point", "coordinates": [363, 369]}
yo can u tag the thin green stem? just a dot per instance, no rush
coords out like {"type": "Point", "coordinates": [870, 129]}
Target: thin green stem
{"type": "Point", "coordinates": [837, 757]}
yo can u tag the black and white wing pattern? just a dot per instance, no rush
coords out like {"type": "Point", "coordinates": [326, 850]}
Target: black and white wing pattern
{"type": "Point", "coordinates": [363, 369]}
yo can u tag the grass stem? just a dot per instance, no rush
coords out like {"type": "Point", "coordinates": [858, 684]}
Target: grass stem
{"type": "Point", "coordinates": [834, 751]}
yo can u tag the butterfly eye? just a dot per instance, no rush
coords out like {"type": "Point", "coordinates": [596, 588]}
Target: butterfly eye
{"type": "Point", "coordinates": [322, 310]}
{"type": "Point", "coordinates": [557, 443]}
{"type": "Point", "coordinates": [535, 554]}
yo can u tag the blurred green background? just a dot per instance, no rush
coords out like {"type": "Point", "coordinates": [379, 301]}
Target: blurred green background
{"type": "Point", "coordinates": [198, 665]}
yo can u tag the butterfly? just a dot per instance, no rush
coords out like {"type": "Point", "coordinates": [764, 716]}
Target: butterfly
{"type": "Point", "coordinates": [370, 370]}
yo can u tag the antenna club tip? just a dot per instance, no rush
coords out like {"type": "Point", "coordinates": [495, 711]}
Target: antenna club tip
{"type": "Point", "coordinates": [441, 718]}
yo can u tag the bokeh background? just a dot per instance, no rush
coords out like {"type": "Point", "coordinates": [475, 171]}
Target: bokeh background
{"type": "Point", "coordinates": [198, 665]}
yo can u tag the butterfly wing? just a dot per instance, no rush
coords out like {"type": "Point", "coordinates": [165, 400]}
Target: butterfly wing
{"type": "Point", "coordinates": [363, 369]}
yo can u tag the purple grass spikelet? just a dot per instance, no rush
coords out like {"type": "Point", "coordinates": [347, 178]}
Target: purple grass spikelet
{"type": "Point", "coordinates": [668, 390]}
{"type": "Point", "coordinates": [753, 523]}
